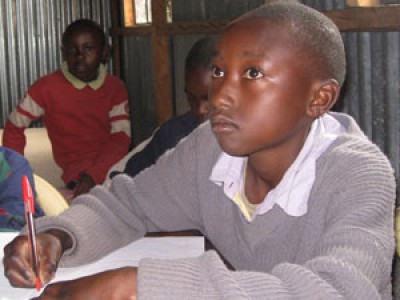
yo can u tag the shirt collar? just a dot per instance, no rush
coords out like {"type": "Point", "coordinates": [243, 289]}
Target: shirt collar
{"type": "Point", "coordinates": [292, 193]}
{"type": "Point", "coordinates": [79, 84]}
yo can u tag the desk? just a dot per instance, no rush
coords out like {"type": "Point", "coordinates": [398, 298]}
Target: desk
{"type": "Point", "coordinates": [165, 247]}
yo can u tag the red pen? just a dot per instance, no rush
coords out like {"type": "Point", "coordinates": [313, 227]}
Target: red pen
{"type": "Point", "coordinates": [29, 206]}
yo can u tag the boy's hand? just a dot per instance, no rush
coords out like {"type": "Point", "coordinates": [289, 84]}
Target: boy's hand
{"type": "Point", "coordinates": [115, 284]}
{"type": "Point", "coordinates": [17, 258]}
{"type": "Point", "coordinates": [84, 184]}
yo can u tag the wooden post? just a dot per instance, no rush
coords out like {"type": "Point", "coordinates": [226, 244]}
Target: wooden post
{"type": "Point", "coordinates": [161, 61]}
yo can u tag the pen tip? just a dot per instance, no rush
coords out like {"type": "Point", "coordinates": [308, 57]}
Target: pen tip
{"type": "Point", "coordinates": [38, 284]}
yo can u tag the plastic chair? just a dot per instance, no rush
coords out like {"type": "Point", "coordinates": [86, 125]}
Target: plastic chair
{"type": "Point", "coordinates": [48, 197]}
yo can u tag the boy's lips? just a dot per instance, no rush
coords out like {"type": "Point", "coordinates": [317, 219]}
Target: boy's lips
{"type": "Point", "coordinates": [80, 68]}
{"type": "Point", "coordinates": [221, 124]}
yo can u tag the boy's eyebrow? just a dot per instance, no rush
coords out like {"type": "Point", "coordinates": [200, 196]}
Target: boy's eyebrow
{"type": "Point", "coordinates": [214, 54]}
{"type": "Point", "coordinates": [259, 54]}
{"type": "Point", "coordinates": [72, 45]}
{"type": "Point", "coordinates": [244, 53]}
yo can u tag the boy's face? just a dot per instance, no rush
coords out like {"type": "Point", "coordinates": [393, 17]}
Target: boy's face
{"type": "Point", "coordinates": [197, 83]}
{"type": "Point", "coordinates": [259, 91]}
{"type": "Point", "coordinates": [83, 53]}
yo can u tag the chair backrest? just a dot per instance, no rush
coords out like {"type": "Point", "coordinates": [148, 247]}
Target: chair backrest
{"type": "Point", "coordinates": [48, 197]}
{"type": "Point", "coordinates": [38, 152]}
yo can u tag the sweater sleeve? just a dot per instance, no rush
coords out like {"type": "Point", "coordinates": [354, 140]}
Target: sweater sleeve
{"type": "Point", "coordinates": [14, 137]}
{"type": "Point", "coordinates": [21, 117]}
{"type": "Point", "coordinates": [206, 277]}
{"type": "Point", "coordinates": [119, 139]}
{"type": "Point", "coordinates": [30, 108]}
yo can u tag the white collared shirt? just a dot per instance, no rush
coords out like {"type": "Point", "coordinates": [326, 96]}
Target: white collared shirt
{"type": "Point", "coordinates": [293, 191]}
{"type": "Point", "coordinates": [79, 84]}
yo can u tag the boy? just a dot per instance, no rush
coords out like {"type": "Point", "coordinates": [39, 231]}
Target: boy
{"type": "Point", "coordinates": [297, 200]}
{"type": "Point", "coordinates": [13, 166]}
{"type": "Point", "coordinates": [83, 108]}
{"type": "Point", "coordinates": [197, 82]}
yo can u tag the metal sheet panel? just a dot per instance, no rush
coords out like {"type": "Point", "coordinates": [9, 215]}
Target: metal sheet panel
{"type": "Point", "coordinates": [371, 92]}
{"type": "Point", "coordinates": [139, 75]}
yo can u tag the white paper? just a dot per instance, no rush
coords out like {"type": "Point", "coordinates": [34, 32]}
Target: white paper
{"type": "Point", "coordinates": [150, 247]}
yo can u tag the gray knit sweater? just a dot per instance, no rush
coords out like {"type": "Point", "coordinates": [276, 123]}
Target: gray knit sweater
{"type": "Point", "coordinates": [341, 249]}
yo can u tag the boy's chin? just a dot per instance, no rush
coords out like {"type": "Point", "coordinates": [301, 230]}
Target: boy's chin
{"type": "Point", "coordinates": [233, 150]}
{"type": "Point", "coordinates": [84, 76]}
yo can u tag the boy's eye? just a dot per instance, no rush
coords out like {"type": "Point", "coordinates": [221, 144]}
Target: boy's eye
{"type": "Point", "coordinates": [253, 73]}
{"type": "Point", "coordinates": [88, 49]}
{"type": "Point", "coordinates": [216, 72]}
{"type": "Point", "coordinates": [72, 51]}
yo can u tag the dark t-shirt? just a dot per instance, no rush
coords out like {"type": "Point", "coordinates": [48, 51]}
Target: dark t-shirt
{"type": "Point", "coordinates": [166, 137]}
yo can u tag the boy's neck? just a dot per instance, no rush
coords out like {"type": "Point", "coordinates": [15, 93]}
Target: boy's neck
{"type": "Point", "coordinates": [265, 169]}
{"type": "Point", "coordinates": [261, 178]}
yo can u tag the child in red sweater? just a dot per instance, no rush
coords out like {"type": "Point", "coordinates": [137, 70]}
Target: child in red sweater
{"type": "Point", "coordinates": [84, 108]}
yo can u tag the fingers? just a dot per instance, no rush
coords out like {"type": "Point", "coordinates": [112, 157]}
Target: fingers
{"type": "Point", "coordinates": [85, 183]}
{"type": "Point", "coordinates": [47, 270]}
{"type": "Point", "coordinates": [17, 263]}
{"type": "Point", "coordinates": [50, 254]}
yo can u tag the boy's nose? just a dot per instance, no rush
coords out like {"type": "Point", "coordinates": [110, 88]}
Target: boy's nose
{"type": "Point", "coordinates": [222, 94]}
{"type": "Point", "coordinates": [80, 53]}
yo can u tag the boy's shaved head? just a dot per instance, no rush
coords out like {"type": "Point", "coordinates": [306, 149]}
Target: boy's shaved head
{"type": "Point", "coordinates": [200, 54]}
{"type": "Point", "coordinates": [315, 36]}
{"type": "Point", "coordinates": [87, 25]}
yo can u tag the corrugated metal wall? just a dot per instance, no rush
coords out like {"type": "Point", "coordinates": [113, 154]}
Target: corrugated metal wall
{"type": "Point", "coordinates": [138, 72]}
{"type": "Point", "coordinates": [30, 34]}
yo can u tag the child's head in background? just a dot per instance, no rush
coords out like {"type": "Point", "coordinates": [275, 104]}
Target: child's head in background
{"type": "Point", "coordinates": [198, 76]}
{"type": "Point", "coordinates": [84, 48]}
{"type": "Point", "coordinates": [276, 70]}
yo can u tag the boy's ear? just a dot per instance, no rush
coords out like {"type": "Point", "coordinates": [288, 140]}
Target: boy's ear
{"type": "Point", "coordinates": [62, 52]}
{"type": "Point", "coordinates": [324, 97]}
